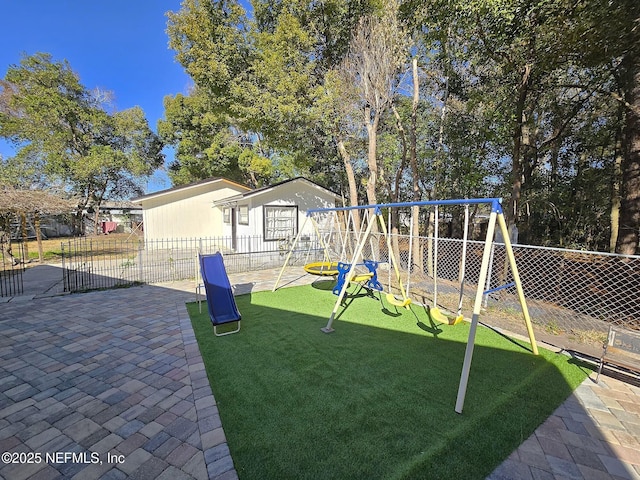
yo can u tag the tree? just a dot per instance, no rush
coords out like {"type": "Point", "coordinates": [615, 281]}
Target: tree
{"type": "Point", "coordinates": [519, 70]}
{"type": "Point", "coordinates": [340, 118]}
{"type": "Point", "coordinates": [30, 202]}
{"type": "Point", "coordinates": [211, 43]}
{"type": "Point", "coordinates": [377, 52]}
{"type": "Point", "coordinates": [629, 231]}
{"type": "Point", "coordinates": [205, 146]}
{"type": "Point", "coordinates": [610, 36]}
{"type": "Point", "coordinates": [508, 98]}
{"type": "Point", "coordinates": [266, 76]}
{"type": "Point", "coordinates": [51, 117]}
{"type": "Point", "coordinates": [520, 41]}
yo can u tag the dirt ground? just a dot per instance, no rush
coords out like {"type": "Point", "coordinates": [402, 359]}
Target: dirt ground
{"type": "Point", "coordinates": [562, 339]}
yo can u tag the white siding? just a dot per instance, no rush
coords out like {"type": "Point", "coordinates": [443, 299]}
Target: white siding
{"type": "Point", "coordinates": [297, 193]}
{"type": "Point", "coordinates": [185, 214]}
{"type": "Point", "coordinates": [189, 213]}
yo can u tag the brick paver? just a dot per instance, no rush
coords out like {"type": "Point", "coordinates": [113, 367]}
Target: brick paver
{"type": "Point", "coordinates": [584, 439]}
{"type": "Point", "coordinates": [107, 374]}
{"type": "Point", "coordinates": [118, 374]}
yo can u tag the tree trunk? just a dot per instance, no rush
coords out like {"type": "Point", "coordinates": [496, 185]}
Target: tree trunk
{"type": "Point", "coordinates": [351, 180]}
{"type": "Point", "coordinates": [372, 160]}
{"type": "Point", "coordinates": [25, 235]}
{"type": "Point", "coordinates": [431, 229]}
{"type": "Point", "coordinates": [517, 171]}
{"type": "Point", "coordinates": [629, 229]}
{"type": "Point", "coordinates": [615, 191]}
{"type": "Point", "coordinates": [96, 221]}
{"type": "Point", "coordinates": [440, 148]}
{"type": "Point", "coordinates": [416, 254]}
{"type": "Point", "coordinates": [394, 193]}
{"type": "Point", "coordinates": [36, 225]}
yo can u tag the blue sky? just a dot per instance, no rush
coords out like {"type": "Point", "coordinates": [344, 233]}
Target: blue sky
{"type": "Point", "coordinates": [117, 45]}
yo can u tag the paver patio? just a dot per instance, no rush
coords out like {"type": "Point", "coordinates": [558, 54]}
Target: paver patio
{"type": "Point", "coordinates": [113, 373]}
{"type": "Point", "coordinates": [118, 374]}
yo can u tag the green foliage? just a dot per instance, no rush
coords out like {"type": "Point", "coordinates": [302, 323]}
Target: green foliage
{"type": "Point", "coordinates": [23, 171]}
{"type": "Point", "coordinates": [257, 165]}
{"type": "Point", "coordinates": [263, 77]}
{"type": "Point", "coordinates": [522, 99]}
{"type": "Point", "coordinates": [205, 146]}
{"type": "Point", "coordinates": [539, 79]}
{"type": "Point", "coordinates": [211, 44]}
{"type": "Point", "coordinates": [61, 128]}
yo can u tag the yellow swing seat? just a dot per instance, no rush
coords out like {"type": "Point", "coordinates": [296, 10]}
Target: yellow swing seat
{"type": "Point", "coordinates": [328, 269]}
{"type": "Point", "coordinates": [438, 316]}
{"type": "Point", "coordinates": [361, 277]}
{"type": "Point", "coordinates": [398, 302]}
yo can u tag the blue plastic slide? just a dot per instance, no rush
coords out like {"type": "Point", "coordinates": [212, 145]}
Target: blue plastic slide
{"type": "Point", "coordinates": [220, 302]}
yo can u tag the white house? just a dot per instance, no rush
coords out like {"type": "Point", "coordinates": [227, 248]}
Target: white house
{"type": "Point", "coordinates": [276, 212]}
{"type": "Point", "coordinates": [186, 211]}
{"type": "Point", "coordinates": [221, 208]}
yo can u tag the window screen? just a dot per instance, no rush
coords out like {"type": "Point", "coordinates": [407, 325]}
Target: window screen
{"type": "Point", "coordinates": [280, 222]}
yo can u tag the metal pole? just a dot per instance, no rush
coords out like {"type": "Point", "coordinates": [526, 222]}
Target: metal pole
{"type": "Point", "coordinates": [323, 244]}
{"type": "Point", "coordinates": [328, 328]}
{"type": "Point", "coordinates": [468, 354]}
{"type": "Point", "coordinates": [393, 261]}
{"type": "Point", "coordinates": [516, 279]}
{"type": "Point", "coordinates": [464, 257]}
{"type": "Point", "coordinates": [488, 283]}
{"type": "Point", "coordinates": [435, 257]}
{"type": "Point", "coordinates": [410, 254]}
{"type": "Point", "coordinates": [286, 261]}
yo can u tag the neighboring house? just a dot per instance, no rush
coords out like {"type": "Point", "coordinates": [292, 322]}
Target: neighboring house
{"type": "Point", "coordinates": [221, 208]}
{"type": "Point", "coordinates": [186, 211]}
{"type": "Point", "coordinates": [51, 226]}
{"type": "Point", "coordinates": [120, 217]}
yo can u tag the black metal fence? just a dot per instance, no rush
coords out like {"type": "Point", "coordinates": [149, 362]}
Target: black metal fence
{"type": "Point", "coordinates": [11, 281]}
{"type": "Point", "coordinates": [90, 263]}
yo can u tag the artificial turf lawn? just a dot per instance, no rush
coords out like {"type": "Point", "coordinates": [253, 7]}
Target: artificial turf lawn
{"type": "Point", "coordinates": [374, 399]}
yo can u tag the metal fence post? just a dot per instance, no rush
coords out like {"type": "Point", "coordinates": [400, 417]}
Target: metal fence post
{"type": "Point", "coordinates": [140, 269]}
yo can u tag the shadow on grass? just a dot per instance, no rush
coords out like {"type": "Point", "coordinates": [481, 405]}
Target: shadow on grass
{"type": "Point", "coordinates": [527, 347]}
{"type": "Point", "coordinates": [324, 284]}
{"type": "Point", "coordinates": [376, 398]}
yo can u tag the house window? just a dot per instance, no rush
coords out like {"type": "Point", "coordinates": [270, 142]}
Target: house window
{"type": "Point", "coordinates": [226, 214]}
{"type": "Point", "coordinates": [243, 215]}
{"type": "Point", "coordinates": [280, 222]}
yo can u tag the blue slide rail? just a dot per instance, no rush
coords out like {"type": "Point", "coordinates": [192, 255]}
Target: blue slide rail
{"type": "Point", "coordinates": [220, 302]}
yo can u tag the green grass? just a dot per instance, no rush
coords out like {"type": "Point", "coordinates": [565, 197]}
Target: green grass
{"type": "Point", "coordinates": [46, 256]}
{"type": "Point", "coordinates": [374, 399]}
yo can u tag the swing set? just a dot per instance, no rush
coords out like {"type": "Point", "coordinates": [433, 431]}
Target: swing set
{"type": "Point", "coordinates": [358, 242]}
{"type": "Point", "coordinates": [343, 233]}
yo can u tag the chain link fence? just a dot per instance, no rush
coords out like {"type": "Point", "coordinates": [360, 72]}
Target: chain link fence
{"type": "Point", "coordinates": [572, 296]}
